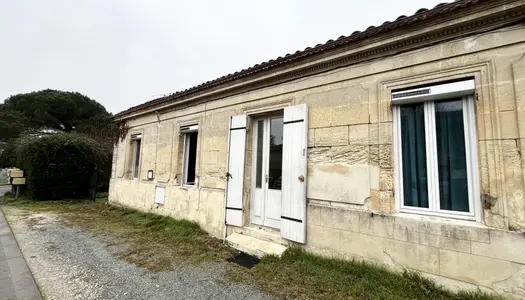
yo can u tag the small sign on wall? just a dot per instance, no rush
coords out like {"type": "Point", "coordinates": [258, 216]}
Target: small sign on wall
{"type": "Point", "coordinates": [159, 194]}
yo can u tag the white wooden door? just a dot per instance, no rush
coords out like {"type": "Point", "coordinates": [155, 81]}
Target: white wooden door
{"type": "Point", "coordinates": [267, 172]}
{"type": "Point", "coordinates": [258, 173]}
{"type": "Point", "coordinates": [235, 174]}
{"type": "Point", "coordinates": [272, 214]}
{"type": "Point", "coordinates": [294, 173]}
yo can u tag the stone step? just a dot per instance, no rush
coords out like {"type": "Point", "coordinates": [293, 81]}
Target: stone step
{"type": "Point", "coordinates": [254, 246]}
{"type": "Point", "coordinates": [262, 233]}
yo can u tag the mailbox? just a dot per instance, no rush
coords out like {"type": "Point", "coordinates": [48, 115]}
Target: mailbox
{"type": "Point", "coordinates": [15, 173]}
{"type": "Point", "coordinates": [18, 181]}
{"type": "Point", "coordinates": [16, 178]}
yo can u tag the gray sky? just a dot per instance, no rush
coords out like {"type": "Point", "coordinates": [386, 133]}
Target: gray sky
{"type": "Point", "coordinates": [125, 52]}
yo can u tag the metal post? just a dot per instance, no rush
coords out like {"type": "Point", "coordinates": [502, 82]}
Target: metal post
{"type": "Point", "coordinates": [17, 191]}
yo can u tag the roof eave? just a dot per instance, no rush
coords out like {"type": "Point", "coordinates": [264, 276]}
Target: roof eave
{"type": "Point", "coordinates": [280, 69]}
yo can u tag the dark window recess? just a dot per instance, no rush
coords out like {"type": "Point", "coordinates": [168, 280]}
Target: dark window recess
{"type": "Point", "coordinates": [136, 159]}
{"type": "Point", "coordinates": [192, 157]}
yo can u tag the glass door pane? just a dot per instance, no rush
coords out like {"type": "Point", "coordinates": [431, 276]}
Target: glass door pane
{"type": "Point", "coordinates": [452, 159]}
{"type": "Point", "coordinates": [276, 153]}
{"type": "Point", "coordinates": [414, 156]}
{"type": "Point", "coordinates": [259, 157]}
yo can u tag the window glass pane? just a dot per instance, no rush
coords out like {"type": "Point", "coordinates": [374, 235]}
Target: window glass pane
{"type": "Point", "coordinates": [192, 157]}
{"type": "Point", "coordinates": [452, 159]}
{"type": "Point", "coordinates": [260, 139]}
{"type": "Point", "coordinates": [136, 158]}
{"type": "Point", "coordinates": [415, 186]}
{"type": "Point", "coordinates": [276, 154]}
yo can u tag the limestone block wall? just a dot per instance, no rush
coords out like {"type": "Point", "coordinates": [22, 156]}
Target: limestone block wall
{"type": "Point", "coordinates": [351, 190]}
{"type": "Point", "coordinates": [352, 217]}
{"type": "Point", "coordinates": [350, 185]}
{"type": "Point", "coordinates": [474, 255]}
{"type": "Point", "coordinates": [214, 151]}
{"type": "Point", "coordinates": [161, 152]}
{"type": "Point", "coordinates": [204, 206]}
{"type": "Point", "coordinates": [164, 151]}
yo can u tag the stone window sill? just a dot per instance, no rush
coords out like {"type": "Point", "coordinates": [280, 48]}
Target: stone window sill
{"type": "Point", "coordinates": [438, 219]}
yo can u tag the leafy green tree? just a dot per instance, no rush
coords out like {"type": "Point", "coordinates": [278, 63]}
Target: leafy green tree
{"type": "Point", "coordinates": [51, 111]}
{"type": "Point", "coordinates": [48, 110]}
{"type": "Point", "coordinates": [12, 124]}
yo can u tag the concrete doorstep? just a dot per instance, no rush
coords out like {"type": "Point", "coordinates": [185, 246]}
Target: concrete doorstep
{"type": "Point", "coordinates": [254, 246]}
{"type": "Point", "coordinates": [16, 281]}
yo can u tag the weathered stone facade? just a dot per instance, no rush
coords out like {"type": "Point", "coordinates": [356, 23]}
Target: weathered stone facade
{"type": "Point", "coordinates": [350, 183]}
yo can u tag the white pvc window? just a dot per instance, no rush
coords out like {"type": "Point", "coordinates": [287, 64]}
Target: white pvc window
{"type": "Point", "coordinates": [135, 167]}
{"type": "Point", "coordinates": [436, 157]}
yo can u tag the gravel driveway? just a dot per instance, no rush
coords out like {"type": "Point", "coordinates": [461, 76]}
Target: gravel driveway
{"type": "Point", "coordinates": [71, 264]}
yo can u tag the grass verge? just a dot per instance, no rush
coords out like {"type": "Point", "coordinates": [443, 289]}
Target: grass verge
{"type": "Point", "coordinates": [301, 275]}
{"type": "Point", "coordinates": [150, 241]}
{"type": "Point", "coordinates": [159, 243]}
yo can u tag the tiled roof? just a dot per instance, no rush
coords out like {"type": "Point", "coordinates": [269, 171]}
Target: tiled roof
{"type": "Point", "coordinates": [420, 15]}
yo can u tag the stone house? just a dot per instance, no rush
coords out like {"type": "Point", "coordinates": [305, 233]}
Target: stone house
{"type": "Point", "coordinates": [400, 145]}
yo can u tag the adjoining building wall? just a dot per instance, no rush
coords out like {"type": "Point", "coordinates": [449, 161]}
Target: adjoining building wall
{"type": "Point", "coordinates": [350, 185]}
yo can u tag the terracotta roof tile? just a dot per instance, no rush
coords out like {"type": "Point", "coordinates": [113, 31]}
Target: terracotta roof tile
{"type": "Point", "coordinates": [420, 15]}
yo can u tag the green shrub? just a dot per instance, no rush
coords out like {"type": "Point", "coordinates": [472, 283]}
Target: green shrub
{"type": "Point", "coordinates": [59, 165]}
{"type": "Point", "coordinates": [104, 162]}
{"type": "Point", "coordinates": [8, 155]}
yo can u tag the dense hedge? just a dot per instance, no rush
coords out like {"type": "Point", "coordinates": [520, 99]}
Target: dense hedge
{"type": "Point", "coordinates": [60, 165]}
{"type": "Point", "coordinates": [8, 155]}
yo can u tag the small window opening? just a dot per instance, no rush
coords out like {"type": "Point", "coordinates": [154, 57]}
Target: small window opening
{"type": "Point", "coordinates": [190, 157]}
{"type": "Point", "coordinates": [136, 158]}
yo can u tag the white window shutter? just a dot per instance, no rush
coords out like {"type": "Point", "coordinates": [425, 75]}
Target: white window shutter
{"type": "Point", "coordinates": [235, 174]}
{"type": "Point", "coordinates": [295, 142]}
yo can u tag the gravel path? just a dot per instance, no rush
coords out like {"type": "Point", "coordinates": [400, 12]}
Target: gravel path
{"type": "Point", "coordinates": [71, 264]}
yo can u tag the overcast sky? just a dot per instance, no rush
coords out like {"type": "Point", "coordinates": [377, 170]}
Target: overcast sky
{"type": "Point", "coordinates": [125, 52]}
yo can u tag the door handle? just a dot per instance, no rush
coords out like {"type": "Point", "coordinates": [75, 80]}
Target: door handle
{"type": "Point", "coordinates": [301, 178]}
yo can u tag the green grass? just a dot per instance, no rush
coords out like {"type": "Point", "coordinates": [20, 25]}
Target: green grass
{"type": "Point", "coordinates": [154, 242]}
{"type": "Point", "coordinates": [301, 275]}
{"type": "Point", "coordinates": [159, 243]}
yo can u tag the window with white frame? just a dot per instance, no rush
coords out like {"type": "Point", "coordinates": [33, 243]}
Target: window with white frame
{"type": "Point", "coordinates": [135, 144]}
{"type": "Point", "coordinates": [190, 134]}
{"type": "Point", "coordinates": [435, 150]}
